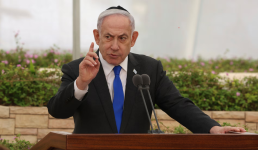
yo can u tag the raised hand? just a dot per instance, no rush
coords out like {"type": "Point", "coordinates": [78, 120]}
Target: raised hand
{"type": "Point", "coordinates": [88, 69]}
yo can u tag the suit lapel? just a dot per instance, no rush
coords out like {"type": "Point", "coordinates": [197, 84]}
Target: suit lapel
{"type": "Point", "coordinates": [130, 91]}
{"type": "Point", "coordinates": [103, 92]}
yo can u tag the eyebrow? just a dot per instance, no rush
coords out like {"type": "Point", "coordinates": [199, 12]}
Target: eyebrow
{"type": "Point", "coordinates": [109, 34]}
{"type": "Point", "coordinates": [124, 34]}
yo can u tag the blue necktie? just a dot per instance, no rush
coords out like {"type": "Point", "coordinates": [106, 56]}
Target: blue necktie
{"type": "Point", "coordinates": [118, 100]}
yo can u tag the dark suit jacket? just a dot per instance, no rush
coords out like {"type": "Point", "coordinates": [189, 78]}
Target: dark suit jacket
{"type": "Point", "coordinates": [94, 114]}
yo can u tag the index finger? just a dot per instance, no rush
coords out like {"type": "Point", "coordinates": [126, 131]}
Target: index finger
{"type": "Point", "coordinates": [236, 129]}
{"type": "Point", "coordinates": [91, 47]}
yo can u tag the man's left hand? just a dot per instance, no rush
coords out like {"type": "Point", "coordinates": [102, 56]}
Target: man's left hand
{"type": "Point", "coordinates": [223, 130]}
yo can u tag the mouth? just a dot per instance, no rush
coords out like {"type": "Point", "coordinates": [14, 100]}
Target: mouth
{"type": "Point", "coordinates": [113, 55]}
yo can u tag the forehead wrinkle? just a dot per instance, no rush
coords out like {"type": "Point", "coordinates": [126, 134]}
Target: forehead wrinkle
{"type": "Point", "coordinates": [116, 23]}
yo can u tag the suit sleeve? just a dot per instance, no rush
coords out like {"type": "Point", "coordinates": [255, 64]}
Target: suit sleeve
{"type": "Point", "coordinates": [64, 104]}
{"type": "Point", "coordinates": [169, 99]}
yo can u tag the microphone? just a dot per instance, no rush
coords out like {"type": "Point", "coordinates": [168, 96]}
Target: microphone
{"type": "Point", "coordinates": [146, 84]}
{"type": "Point", "coordinates": [138, 82]}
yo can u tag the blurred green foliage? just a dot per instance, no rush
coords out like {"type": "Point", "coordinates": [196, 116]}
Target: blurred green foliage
{"type": "Point", "coordinates": [212, 92]}
{"type": "Point", "coordinates": [27, 86]}
{"type": "Point", "coordinates": [17, 145]}
{"type": "Point", "coordinates": [221, 64]}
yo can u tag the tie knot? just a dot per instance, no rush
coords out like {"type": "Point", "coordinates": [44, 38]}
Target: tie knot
{"type": "Point", "coordinates": [117, 70]}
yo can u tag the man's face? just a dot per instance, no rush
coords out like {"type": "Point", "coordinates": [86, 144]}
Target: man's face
{"type": "Point", "coordinates": [115, 39]}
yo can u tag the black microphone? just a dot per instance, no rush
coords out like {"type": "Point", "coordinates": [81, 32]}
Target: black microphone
{"type": "Point", "coordinates": [137, 81]}
{"type": "Point", "coordinates": [146, 84]}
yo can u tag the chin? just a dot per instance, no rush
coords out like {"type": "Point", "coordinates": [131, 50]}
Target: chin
{"type": "Point", "coordinates": [114, 62]}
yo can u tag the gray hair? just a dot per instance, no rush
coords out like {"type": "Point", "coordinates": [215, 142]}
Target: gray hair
{"type": "Point", "coordinates": [115, 12]}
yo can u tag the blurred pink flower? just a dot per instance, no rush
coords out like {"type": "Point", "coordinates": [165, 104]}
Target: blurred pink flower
{"type": "Point", "coordinates": [33, 61]}
{"type": "Point", "coordinates": [237, 94]}
{"type": "Point", "coordinates": [56, 60]}
{"type": "Point", "coordinates": [213, 72]}
{"type": "Point", "coordinates": [245, 71]}
{"type": "Point", "coordinates": [202, 63]}
{"type": "Point", "coordinates": [31, 56]}
{"type": "Point", "coordinates": [16, 34]}
{"type": "Point", "coordinates": [14, 137]}
{"type": "Point", "coordinates": [0, 139]}
{"type": "Point", "coordinates": [45, 54]}
{"type": "Point", "coordinates": [19, 65]}
{"type": "Point", "coordinates": [7, 52]}
{"type": "Point", "coordinates": [57, 53]}
{"type": "Point", "coordinates": [251, 69]}
{"type": "Point", "coordinates": [2, 71]}
{"type": "Point", "coordinates": [227, 74]}
{"type": "Point", "coordinates": [167, 59]}
{"type": "Point", "coordinates": [185, 65]}
{"type": "Point", "coordinates": [204, 99]}
{"type": "Point", "coordinates": [216, 67]}
{"type": "Point", "coordinates": [210, 62]}
{"type": "Point", "coordinates": [51, 51]}
{"type": "Point", "coordinates": [231, 63]}
{"type": "Point", "coordinates": [36, 56]}
{"type": "Point", "coordinates": [179, 66]}
{"type": "Point", "coordinates": [22, 67]}
{"type": "Point", "coordinates": [250, 58]}
{"type": "Point", "coordinates": [27, 61]}
{"type": "Point", "coordinates": [5, 62]}
{"type": "Point", "coordinates": [193, 60]}
{"type": "Point", "coordinates": [19, 60]}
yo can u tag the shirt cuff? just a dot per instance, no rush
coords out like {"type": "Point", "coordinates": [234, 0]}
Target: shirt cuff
{"type": "Point", "coordinates": [78, 94]}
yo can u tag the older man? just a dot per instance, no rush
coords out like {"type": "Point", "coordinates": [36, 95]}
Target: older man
{"type": "Point", "coordinates": [98, 92]}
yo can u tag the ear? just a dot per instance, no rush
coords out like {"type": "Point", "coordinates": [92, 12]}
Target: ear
{"type": "Point", "coordinates": [134, 38]}
{"type": "Point", "coordinates": [96, 36]}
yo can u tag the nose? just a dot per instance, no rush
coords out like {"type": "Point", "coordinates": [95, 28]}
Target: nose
{"type": "Point", "coordinates": [115, 45]}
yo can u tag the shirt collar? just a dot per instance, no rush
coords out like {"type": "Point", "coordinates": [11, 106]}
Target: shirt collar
{"type": "Point", "coordinates": [109, 67]}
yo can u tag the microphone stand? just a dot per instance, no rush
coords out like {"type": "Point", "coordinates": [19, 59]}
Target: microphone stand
{"type": "Point", "coordinates": [138, 82]}
{"type": "Point", "coordinates": [140, 88]}
{"type": "Point", "coordinates": [157, 130]}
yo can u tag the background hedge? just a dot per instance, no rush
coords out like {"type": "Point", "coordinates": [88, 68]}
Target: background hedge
{"type": "Point", "coordinates": [21, 83]}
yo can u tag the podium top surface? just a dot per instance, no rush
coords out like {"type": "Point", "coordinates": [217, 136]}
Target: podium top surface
{"type": "Point", "coordinates": [64, 140]}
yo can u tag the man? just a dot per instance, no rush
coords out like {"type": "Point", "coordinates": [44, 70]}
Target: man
{"type": "Point", "coordinates": [98, 92]}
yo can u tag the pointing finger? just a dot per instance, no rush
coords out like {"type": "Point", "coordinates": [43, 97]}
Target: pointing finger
{"type": "Point", "coordinates": [91, 47]}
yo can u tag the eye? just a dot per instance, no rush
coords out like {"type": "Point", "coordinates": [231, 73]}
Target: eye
{"type": "Point", "coordinates": [123, 38]}
{"type": "Point", "coordinates": [108, 37]}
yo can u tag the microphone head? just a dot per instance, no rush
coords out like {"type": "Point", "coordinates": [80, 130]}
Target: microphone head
{"type": "Point", "coordinates": [146, 79]}
{"type": "Point", "coordinates": [137, 80]}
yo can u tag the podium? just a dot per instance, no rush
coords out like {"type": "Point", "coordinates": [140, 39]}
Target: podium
{"type": "Point", "coordinates": [68, 141]}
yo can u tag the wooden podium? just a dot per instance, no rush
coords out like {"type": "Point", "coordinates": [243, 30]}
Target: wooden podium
{"type": "Point", "coordinates": [68, 141]}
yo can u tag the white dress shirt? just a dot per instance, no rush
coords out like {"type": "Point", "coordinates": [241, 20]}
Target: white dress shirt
{"type": "Point", "coordinates": [110, 76]}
